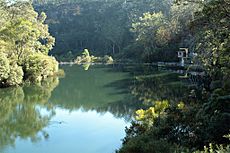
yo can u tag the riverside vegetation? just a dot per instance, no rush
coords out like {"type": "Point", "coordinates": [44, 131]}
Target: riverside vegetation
{"type": "Point", "coordinates": [87, 58]}
{"type": "Point", "coordinates": [140, 31]}
{"type": "Point", "coordinates": [24, 45]}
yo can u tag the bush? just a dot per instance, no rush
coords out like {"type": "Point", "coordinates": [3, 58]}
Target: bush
{"type": "Point", "coordinates": [15, 75]}
{"type": "Point", "coordinates": [38, 67]}
{"type": "Point", "coordinates": [4, 67]}
{"type": "Point", "coordinates": [86, 58]}
{"type": "Point", "coordinates": [147, 144]}
{"type": "Point", "coordinates": [215, 149]}
{"type": "Point", "coordinates": [85, 52]}
{"type": "Point", "coordinates": [10, 73]}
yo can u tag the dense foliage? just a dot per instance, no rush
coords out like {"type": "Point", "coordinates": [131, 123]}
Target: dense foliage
{"type": "Point", "coordinates": [24, 44]}
{"type": "Point", "coordinates": [202, 118]}
{"type": "Point", "coordinates": [109, 27]}
{"type": "Point", "coordinates": [143, 30]}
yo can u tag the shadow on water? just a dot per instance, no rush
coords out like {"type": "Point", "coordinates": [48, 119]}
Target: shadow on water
{"type": "Point", "coordinates": [26, 111]}
{"type": "Point", "coordinates": [130, 87]}
{"type": "Point", "coordinates": [94, 89]}
{"type": "Point", "coordinates": [147, 84]}
{"type": "Point", "coordinates": [118, 89]}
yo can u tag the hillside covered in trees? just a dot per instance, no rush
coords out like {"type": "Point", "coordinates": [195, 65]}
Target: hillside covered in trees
{"type": "Point", "coordinates": [171, 115]}
{"type": "Point", "coordinates": [152, 31]}
{"type": "Point", "coordinates": [138, 29]}
{"type": "Point", "coordinates": [143, 30]}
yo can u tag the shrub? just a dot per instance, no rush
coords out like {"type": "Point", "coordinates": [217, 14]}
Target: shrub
{"type": "Point", "coordinates": [38, 67]}
{"type": "Point", "coordinates": [215, 149]}
{"type": "Point", "coordinates": [10, 73]}
{"type": "Point", "coordinates": [86, 58]}
{"type": "Point", "coordinates": [147, 144]}
{"type": "Point", "coordinates": [85, 52]}
{"type": "Point", "coordinates": [4, 67]}
{"type": "Point", "coordinates": [15, 75]}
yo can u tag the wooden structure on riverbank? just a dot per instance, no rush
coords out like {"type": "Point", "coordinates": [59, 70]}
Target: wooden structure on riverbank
{"type": "Point", "coordinates": [184, 56]}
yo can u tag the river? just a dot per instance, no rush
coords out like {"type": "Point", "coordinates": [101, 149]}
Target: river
{"type": "Point", "coordinates": [86, 111]}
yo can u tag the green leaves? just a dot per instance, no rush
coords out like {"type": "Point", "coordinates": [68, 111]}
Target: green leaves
{"type": "Point", "coordinates": [10, 73]}
{"type": "Point", "coordinates": [39, 67]}
{"type": "Point", "coordinates": [147, 26]}
{"type": "Point", "coordinates": [85, 52]}
{"type": "Point", "coordinates": [4, 67]}
{"type": "Point", "coordinates": [213, 38]}
{"type": "Point", "coordinates": [15, 76]}
{"type": "Point", "coordinates": [24, 45]}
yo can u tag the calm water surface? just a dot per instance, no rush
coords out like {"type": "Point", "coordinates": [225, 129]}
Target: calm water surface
{"type": "Point", "coordinates": [84, 112]}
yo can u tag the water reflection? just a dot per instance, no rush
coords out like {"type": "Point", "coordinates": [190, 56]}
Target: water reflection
{"type": "Point", "coordinates": [93, 90]}
{"type": "Point", "coordinates": [32, 111]}
{"type": "Point", "coordinates": [158, 87]}
{"type": "Point", "coordinates": [92, 103]}
{"type": "Point", "coordinates": [148, 84]}
{"type": "Point", "coordinates": [20, 115]}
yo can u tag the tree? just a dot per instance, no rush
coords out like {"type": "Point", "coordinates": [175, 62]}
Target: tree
{"type": "Point", "coordinates": [23, 34]}
{"type": "Point", "coordinates": [213, 39]}
{"type": "Point", "coordinates": [152, 31]}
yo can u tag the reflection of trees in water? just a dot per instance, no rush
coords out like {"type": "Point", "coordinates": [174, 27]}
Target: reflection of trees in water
{"type": "Point", "coordinates": [9, 98]}
{"type": "Point", "coordinates": [121, 109]}
{"type": "Point", "coordinates": [159, 86]}
{"type": "Point", "coordinates": [145, 86]}
{"type": "Point", "coordinates": [107, 89]}
{"type": "Point", "coordinates": [146, 89]}
{"type": "Point", "coordinates": [99, 89]}
{"type": "Point", "coordinates": [148, 84]}
{"type": "Point", "coordinates": [125, 107]}
{"type": "Point", "coordinates": [40, 93]}
{"type": "Point", "coordinates": [20, 115]}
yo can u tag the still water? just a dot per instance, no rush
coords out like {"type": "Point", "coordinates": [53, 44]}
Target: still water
{"type": "Point", "coordinates": [81, 112]}
{"type": "Point", "coordinates": [84, 112]}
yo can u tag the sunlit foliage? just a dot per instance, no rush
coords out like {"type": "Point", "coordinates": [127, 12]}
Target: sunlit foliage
{"type": "Point", "coordinates": [23, 35]}
{"type": "Point", "coordinates": [147, 117]}
{"type": "Point", "coordinates": [86, 59]}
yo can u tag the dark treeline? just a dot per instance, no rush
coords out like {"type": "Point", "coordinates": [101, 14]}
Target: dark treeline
{"type": "Point", "coordinates": [138, 30]}
{"type": "Point", "coordinates": [148, 30]}
{"type": "Point", "coordinates": [144, 30]}
{"type": "Point", "coordinates": [151, 31]}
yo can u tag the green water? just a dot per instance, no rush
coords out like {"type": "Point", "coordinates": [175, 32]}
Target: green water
{"type": "Point", "coordinates": [83, 112]}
